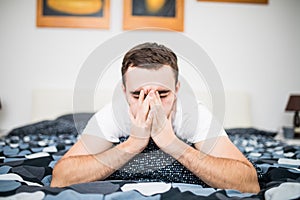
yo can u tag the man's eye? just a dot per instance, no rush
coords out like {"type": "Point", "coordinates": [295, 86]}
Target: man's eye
{"type": "Point", "coordinates": [163, 95]}
{"type": "Point", "coordinates": [135, 96]}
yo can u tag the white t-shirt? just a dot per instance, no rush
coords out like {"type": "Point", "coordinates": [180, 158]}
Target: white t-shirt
{"type": "Point", "coordinates": [192, 125]}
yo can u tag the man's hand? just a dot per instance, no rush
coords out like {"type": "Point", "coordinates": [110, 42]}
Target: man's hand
{"type": "Point", "coordinates": [141, 123]}
{"type": "Point", "coordinates": [162, 131]}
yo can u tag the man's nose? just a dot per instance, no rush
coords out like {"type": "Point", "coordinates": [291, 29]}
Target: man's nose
{"type": "Point", "coordinates": [146, 92]}
{"type": "Point", "coordinates": [149, 90]}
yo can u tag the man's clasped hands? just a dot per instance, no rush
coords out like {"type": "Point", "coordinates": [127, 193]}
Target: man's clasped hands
{"type": "Point", "coordinates": [151, 121]}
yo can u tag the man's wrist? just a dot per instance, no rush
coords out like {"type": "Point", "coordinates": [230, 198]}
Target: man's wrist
{"type": "Point", "coordinates": [163, 139]}
{"type": "Point", "coordinates": [175, 148]}
{"type": "Point", "coordinates": [136, 145]}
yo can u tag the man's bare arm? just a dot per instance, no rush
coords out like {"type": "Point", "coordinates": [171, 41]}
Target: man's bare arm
{"type": "Point", "coordinates": [216, 161]}
{"type": "Point", "coordinates": [220, 172]}
{"type": "Point", "coordinates": [92, 157]}
{"type": "Point", "coordinates": [73, 169]}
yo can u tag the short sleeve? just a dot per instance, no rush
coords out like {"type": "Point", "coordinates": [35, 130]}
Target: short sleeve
{"type": "Point", "coordinates": [207, 127]}
{"type": "Point", "coordinates": [102, 125]}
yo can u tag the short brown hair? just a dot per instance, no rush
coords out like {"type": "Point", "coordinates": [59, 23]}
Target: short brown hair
{"type": "Point", "coordinates": [151, 56]}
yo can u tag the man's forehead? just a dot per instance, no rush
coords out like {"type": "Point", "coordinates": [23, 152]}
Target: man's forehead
{"type": "Point", "coordinates": [137, 78]}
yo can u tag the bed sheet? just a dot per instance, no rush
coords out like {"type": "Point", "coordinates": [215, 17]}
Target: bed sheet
{"type": "Point", "coordinates": [29, 153]}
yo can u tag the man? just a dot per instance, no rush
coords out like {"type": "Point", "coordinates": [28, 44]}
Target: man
{"type": "Point", "coordinates": [110, 149]}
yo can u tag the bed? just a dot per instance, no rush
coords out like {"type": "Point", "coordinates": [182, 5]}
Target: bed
{"type": "Point", "coordinates": [29, 153]}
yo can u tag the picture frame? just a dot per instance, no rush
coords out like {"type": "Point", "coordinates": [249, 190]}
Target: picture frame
{"type": "Point", "coordinates": [135, 16]}
{"type": "Point", "coordinates": [238, 1]}
{"type": "Point", "coordinates": [60, 13]}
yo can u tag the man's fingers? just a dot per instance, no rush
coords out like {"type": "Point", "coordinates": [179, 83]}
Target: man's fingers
{"type": "Point", "coordinates": [145, 107]}
{"type": "Point", "coordinates": [157, 99]}
{"type": "Point", "coordinates": [151, 103]}
{"type": "Point", "coordinates": [150, 98]}
{"type": "Point", "coordinates": [173, 109]}
{"type": "Point", "coordinates": [131, 115]}
{"type": "Point", "coordinates": [141, 96]}
{"type": "Point", "coordinates": [154, 100]}
{"type": "Point", "coordinates": [170, 115]}
{"type": "Point", "coordinates": [149, 119]}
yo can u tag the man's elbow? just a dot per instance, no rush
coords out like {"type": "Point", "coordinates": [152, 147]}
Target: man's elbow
{"type": "Point", "coordinates": [256, 188]}
{"type": "Point", "coordinates": [253, 184]}
{"type": "Point", "coordinates": [249, 182]}
{"type": "Point", "coordinates": [253, 187]}
{"type": "Point", "coordinates": [58, 177]}
{"type": "Point", "coordinates": [55, 182]}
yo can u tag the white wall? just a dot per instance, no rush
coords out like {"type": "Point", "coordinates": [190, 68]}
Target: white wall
{"type": "Point", "coordinates": [255, 48]}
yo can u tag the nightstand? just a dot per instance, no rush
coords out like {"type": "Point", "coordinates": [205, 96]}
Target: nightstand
{"type": "Point", "coordinates": [290, 141]}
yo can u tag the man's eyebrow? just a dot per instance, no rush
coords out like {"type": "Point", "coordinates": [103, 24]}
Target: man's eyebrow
{"type": "Point", "coordinates": [163, 91]}
{"type": "Point", "coordinates": [159, 91]}
{"type": "Point", "coordinates": [135, 92]}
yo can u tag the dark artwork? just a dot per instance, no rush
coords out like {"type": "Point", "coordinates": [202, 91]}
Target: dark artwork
{"type": "Point", "coordinates": [48, 11]}
{"type": "Point", "coordinates": [140, 8]}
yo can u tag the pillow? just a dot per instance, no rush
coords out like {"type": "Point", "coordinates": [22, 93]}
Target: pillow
{"type": "Point", "coordinates": [250, 131]}
{"type": "Point", "coordinates": [61, 125]}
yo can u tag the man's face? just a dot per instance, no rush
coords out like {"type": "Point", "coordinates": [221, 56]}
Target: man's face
{"type": "Point", "coordinates": [161, 80]}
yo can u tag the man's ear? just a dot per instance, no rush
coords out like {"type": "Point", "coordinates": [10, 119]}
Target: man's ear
{"type": "Point", "coordinates": [124, 91]}
{"type": "Point", "coordinates": [124, 88]}
{"type": "Point", "coordinates": [177, 87]}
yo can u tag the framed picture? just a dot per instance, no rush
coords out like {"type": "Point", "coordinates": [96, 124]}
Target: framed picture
{"type": "Point", "coordinates": [154, 14]}
{"type": "Point", "coordinates": [73, 13]}
{"type": "Point", "coordinates": [239, 1]}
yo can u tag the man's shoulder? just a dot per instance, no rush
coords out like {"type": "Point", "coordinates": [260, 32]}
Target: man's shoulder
{"type": "Point", "coordinates": [202, 107]}
{"type": "Point", "coordinates": [105, 110]}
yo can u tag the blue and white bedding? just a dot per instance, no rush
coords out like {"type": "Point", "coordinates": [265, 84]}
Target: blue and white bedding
{"type": "Point", "coordinates": [29, 153]}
